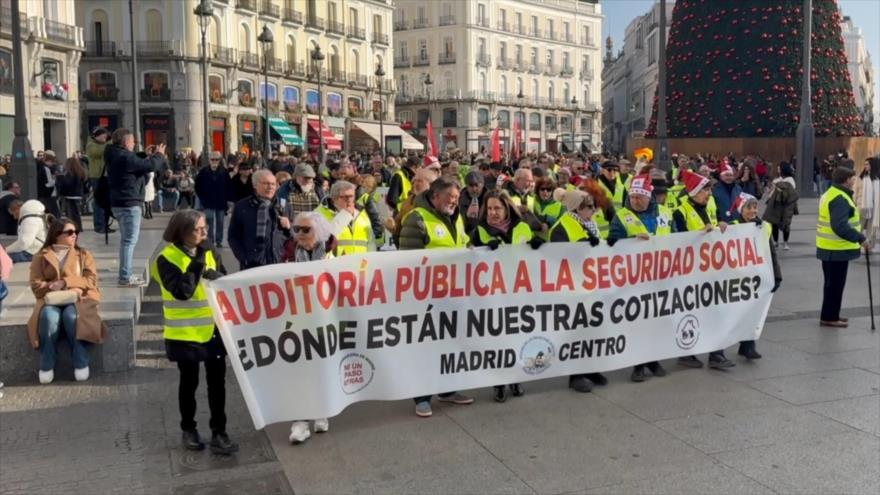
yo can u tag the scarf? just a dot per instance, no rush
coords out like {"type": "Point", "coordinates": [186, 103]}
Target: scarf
{"type": "Point", "coordinates": [263, 226]}
{"type": "Point", "coordinates": [503, 226]}
{"type": "Point", "coordinates": [317, 253]}
{"type": "Point", "coordinates": [588, 225]}
{"type": "Point", "coordinates": [61, 251]}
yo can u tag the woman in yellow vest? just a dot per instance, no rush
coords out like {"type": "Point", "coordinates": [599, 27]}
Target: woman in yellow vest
{"type": "Point", "coordinates": [605, 208]}
{"type": "Point", "coordinates": [501, 223]}
{"type": "Point", "coordinates": [746, 206]}
{"type": "Point", "coordinates": [696, 214]}
{"type": "Point", "coordinates": [547, 208]}
{"type": "Point", "coordinates": [839, 238]}
{"type": "Point", "coordinates": [576, 225]}
{"type": "Point", "coordinates": [642, 218]}
{"type": "Point", "coordinates": [190, 334]}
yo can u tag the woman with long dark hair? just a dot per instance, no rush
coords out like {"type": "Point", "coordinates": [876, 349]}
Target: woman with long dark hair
{"type": "Point", "coordinates": [748, 180]}
{"type": "Point", "coordinates": [64, 280]}
{"type": "Point", "coordinates": [71, 188]}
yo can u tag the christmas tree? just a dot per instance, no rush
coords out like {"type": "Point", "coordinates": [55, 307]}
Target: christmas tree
{"type": "Point", "coordinates": [735, 69]}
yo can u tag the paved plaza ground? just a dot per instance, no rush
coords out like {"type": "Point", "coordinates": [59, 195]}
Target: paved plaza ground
{"type": "Point", "coordinates": [804, 419]}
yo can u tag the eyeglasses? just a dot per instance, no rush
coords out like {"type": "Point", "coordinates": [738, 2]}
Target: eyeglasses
{"type": "Point", "coordinates": [68, 232]}
{"type": "Point", "coordinates": [299, 229]}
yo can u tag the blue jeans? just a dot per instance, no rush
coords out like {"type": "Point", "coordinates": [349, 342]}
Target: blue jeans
{"type": "Point", "coordinates": [52, 319]}
{"type": "Point", "coordinates": [129, 218]}
{"type": "Point", "coordinates": [215, 218]}
{"type": "Point", "coordinates": [97, 211]}
{"type": "Point", "coordinates": [21, 257]}
{"type": "Point", "coordinates": [175, 195]}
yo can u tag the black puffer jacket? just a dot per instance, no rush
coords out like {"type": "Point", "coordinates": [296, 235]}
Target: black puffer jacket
{"type": "Point", "coordinates": [127, 174]}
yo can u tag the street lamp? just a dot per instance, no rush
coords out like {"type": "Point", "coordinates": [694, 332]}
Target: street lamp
{"type": "Point", "coordinates": [574, 124]}
{"type": "Point", "coordinates": [23, 166]}
{"type": "Point", "coordinates": [204, 11]}
{"type": "Point", "coordinates": [380, 74]}
{"type": "Point", "coordinates": [317, 58]}
{"type": "Point", "coordinates": [428, 84]}
{"type": "Point", "coordinates": [265, 38]}
{"type": "Point", "coordinates": [524, 125]}
{"type": "Point", "coordinates": [805, 138]}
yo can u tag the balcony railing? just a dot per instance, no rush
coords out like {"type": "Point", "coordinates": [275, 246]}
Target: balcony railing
{"type": "Point", "coordinates": [482, 21]}
{"type": "Point", "coordinates": [520, 66]}
{"type": "Point", "coordinates": [536, 68]}
{"type": "Point", "coordinates": [421, 23]}
{"type": "Point", "coordinates": [246, 5]}
{"type": "Point", "coordinates": [567, 37]}
{"type": "Point", "coordinates": [401, 25]}
{"type": "Point", "coordinates": [291, 15]}
{"type": "Point", "coordinates": [587, 40]}
{"type": "Point", "coordinates": [155, 94]}
{"type": "Point", "coordinates": [446, 58]}
{"type": "Point", "coordinates": [504, 26]}
{"type": "Point", "coordinates": [447, 20]}
{"type": "Point", "coordinates": [336, 75]}
{"type": "Point", "coordinates": [295, 68]}
{"type": "Point", "coordinates": [484, 60]}
{"type": "Point", "coordinates": [315, 23]}
{"type": "Point", "coordinates": [60, 32]}
{"type": "Point", "coordinates": [100, 49]}
{"type": "Point", "coordinates": [401, 62]}
{"type": "Point", "coordinates": [380, 38]}
{"type": "Point", "coordinates": [6, 15]}
{"type": "Point", "coordinates": [586, 75]}
{"type": "Point", "coordinates": [419, 61]}
{"type": "Point", "coordinates": [246, 100]}
{"type": "Point", "coordinates": [221, 55]}
{"type": "Point", "coordinates": [551, 70]}
{"type": "Point", "coordinates": [566, 71]}
{"type": "Point", "coordinates": [217, 96]}
{"type": "Point", "coordinates": [357, 80]}
{"type": "Point", "coordinates": [335, 27]}
{"type": "Point", "coordinates": [274, 64]}
{"type": "Point", "coordinates": [535, 32]}
{"type": "Point", "coordinates": [158, 48]}
{"type": "Point", "coordinates": [357, 33]}
{"type": "Point", "coordinates": [518, 29]}
{"type": "Point", "coordinates": [551, 35]}
{"type": "Point", "coordinates": [101, 94]}
{"type": "Point", "coordinates": [251, 60]}
{"type": "Point", "coordinates": [503, 63]}
{"type": "Point", "coordinates": [270, 9]}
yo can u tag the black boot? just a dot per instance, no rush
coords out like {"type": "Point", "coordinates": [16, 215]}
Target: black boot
{"type": "Point", "coordinates": [597, 378]}
{"type": "Point", "coordinates": [747, 349]}
{"type": "Point", "coordinates": [191, 440]}
{"type": "Point", "coordinates": [580, 384]}
{"type": "Point", "coordinates": [638, 374]}
{"type": "Point", "coordinates": [690, 362]}
{"type": "Point", "coordinates": [516, 389]}
{"type": "Point", "coordinates": [222, 445]}
{"type": "Point", "coordinates": [719, 361]}
{"type": "Point", "coordinates": [500, 393]}
{"type": "Point", "coordinates": [656, 368]}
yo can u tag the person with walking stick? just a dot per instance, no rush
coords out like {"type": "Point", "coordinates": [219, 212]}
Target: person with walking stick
{"type": "Point", "coordinates": [839, 238]}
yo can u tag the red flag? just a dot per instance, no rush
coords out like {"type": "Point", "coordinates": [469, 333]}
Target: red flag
{"type": "Point", "coordinates": [495, 145]}
{"type": "Point", "coordinates": [431, 139]}
{"type": "Point", "coordinates": [516, 138]}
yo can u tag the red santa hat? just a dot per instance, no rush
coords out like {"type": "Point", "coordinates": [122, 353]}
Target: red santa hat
{"type": "Point", "coordinates": [694, 183]}
{"type": "Point", "coordinates": [641, 185]}
{"type": "Point", "coordinates": [725, 168]}
{"type": "Point", "coordinates": [740, 202]}
{"type": "Point", "coordinates": [431, 162]}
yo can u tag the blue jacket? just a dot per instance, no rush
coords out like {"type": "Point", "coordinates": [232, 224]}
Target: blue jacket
{"type": "Point", "coordinates": [211, 188]}
{"type": "Point", "coordinates": [247, 248]}
{"type": "Point", "coordinates": [127, 173]}
{"type": "Point", "coordinates": [617, 231]}
{"type": "Point", "coordinates": [725, 195]}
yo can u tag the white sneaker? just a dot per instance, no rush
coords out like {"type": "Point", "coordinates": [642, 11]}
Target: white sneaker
{"type": "Point", "coordinates": [299, 432]}
{"type": "Point", "coordinates": [46, 377]}
{"type": "Point", "coordinates": [785, 246]}
{"type": "Point", "coordinates": [322, 425]}
{"type": "Point", "coordinates": [81, 374]}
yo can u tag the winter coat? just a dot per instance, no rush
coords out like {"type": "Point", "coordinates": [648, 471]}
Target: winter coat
{"type": "Point", "coordinates": [725, 195]}
{"type": "Point", "coordinates": [781, 204]}
{"type": "Point", "coordinates": [31, 228]}
{"type": "Point", "coordinates": [414, 234]}
{"type": "Point", "coordinates": [79, 272]}
{"type": "Point", "coordinates": [126, 173]}
{"type": "Point", "coordinates": [211, 188]}
{"type": "Point", "coordinates": [70, 186]}
{"type": "Point", "coordinates": [8, 224]}
{"type": "Point", "coordinates": [248, 250]}
{"type": "Point", "coordinates": [840, 212]}
{"type": "Point", "coordinates": [95, 153]}
{"type": "Point", "coordinates": [239, 190]}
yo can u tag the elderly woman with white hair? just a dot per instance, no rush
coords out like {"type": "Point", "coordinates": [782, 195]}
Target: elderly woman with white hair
{"type": "Point", "coordinates": [311, 241]}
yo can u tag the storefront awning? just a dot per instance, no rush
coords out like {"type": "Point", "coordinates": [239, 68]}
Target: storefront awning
{"type": "Point", "coordinates": [389, 129]}
{"type": "Point", "coordinates": [288, 135]}
{"type": "Point", "coordinates": [330, 141]}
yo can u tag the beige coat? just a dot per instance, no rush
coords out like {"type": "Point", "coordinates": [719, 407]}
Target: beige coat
{"type": "Point", "coordinates": [82, 275]}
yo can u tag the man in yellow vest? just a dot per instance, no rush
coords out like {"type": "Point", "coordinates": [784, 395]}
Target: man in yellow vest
{"type": "Point", "coordinates": [612, 185]}
{"type": "Point", "coordinates": [436, 223]}
{"type": "Point", "coordinates": [400, 185]}
{"type": "Point", "coordinates": [839, 238]}
{"type": "Point", "coordinates": [642, 218]}
{"type": "Point", "coordinates": [694, 214]}
{"type": "Point", "coordinates": [351, 226]}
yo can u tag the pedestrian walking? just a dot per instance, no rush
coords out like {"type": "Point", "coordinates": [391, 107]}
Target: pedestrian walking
{"type": "Point", "coordinates": [64, 280]}
{"type": "Point", "coordinates": [782, 204]}
{"type": "Point", "coordinates": [641, 218]}
{"type": "Point", "coordinates": [576, 225]}
{"type": "Point", "coordinates": [191, 337]}
{"type": "Point", "coordinates": [839, 239]}
{"type": "Point", "coordinates": [212, 190]}
{"type": "Point", "coordinates": [126, 173]}
{"type": "Point", "coordinates": [436, 223]}
{"type": "Point", "coordinates": [694, 214]}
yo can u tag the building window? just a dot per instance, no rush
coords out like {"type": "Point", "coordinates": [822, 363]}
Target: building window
{"type": "Point", "coordinates": [450, 117]}
{"type": "Point", "coordinates": [502, 51]}
{"type": "Point", "coordinates": [504, 119]}
{"type": "Point", "coordinates": [355, 107]}
{"type": "Point", "coordinates": [535, 121]}
{"type": "Point", "coordinates": [566, 31]}
{"type": "Point", "coordinates": [423, 50]}
{"type": "Point", "coordinates": [503, 85]}
{"type": "Point", "coordinates": [353, 18]}
{"type": "Point", "coordinates": [551, 93]}
{"type": "Point", "coordinates": [155, 82]}
{"type": "Point", "coordinates": [153, 22]}
{"type": "Point", "coordinates": [245, 92]}
{"type": "Point", "coordinates": [404, 116]}
{"type": "Point", "coordinates": [549, 57]}
{"type": "Point", "coordinates": [448, 46]}
{"type": "Point", "coordinates": [482, 117]}
{"type": "Point", "coordinates": [102, 84]}
{"type": "Point", "coordinates": [334, 104]}
{"type": "Point", "coordinates": [652, 49]}
{"type": "Point", "coordinates": [312, 101]}
{"type": "Point", "coordinates": [550, 122]}
{"type": "Point", "coordinates": [291, 98]}
{"type": "Point", "coordinates": [482, 17]}
{"type": "Point", "coordinates": [519, 24]}
{"type": "Point", "coordinates": [534, 25]}
{"type": "Point", "coordinates": [566, 93]}
{"type": "Point", "coordinates": [216, 92]}
{"type": "Point", "coordinates": [519, 54]}
{"type": "Point", "coordinates": [268, 93]}
{"type": "Point", "coordinates": [291, 50]}
{"type": "Point", "coordinates": [534, 57]}
{"type": "Point", "coordinates": [422, 119]}
{"type": "Point", "coordinates": [51, 71]}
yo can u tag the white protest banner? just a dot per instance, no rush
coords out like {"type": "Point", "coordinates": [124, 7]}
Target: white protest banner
{"type": "Point", "coordinates": [308, 339]}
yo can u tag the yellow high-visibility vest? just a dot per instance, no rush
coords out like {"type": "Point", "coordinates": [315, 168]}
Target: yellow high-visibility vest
{"type": "Point", "coordinates": [190, 320]}
{"type": "Point", "coordinates": [825, 236]}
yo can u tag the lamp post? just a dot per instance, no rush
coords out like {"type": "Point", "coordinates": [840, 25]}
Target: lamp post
{"type": "Point", "coordinates": [23, 166]}
{"type": "Point", "coordinates": [317, 58]}
{"type": "Point", "coordinates": [380, 74]}
{"type": "Point", "coordinates": [204, 11]}
{"type": "Point", "coordinates": [574, 124]}
{"type": "Point", "coordinates": [663, 161]}
{"type": "Point", "coordinates": [428, 84]}
{"type": "Point", "coordinates": [806, 134]}
{"type": "Point", "coordinates": [265, 38]}
{"type": "Point", "coordinates": [524, 127]}
{"type": "Point", "coordinates": [135, 94]}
